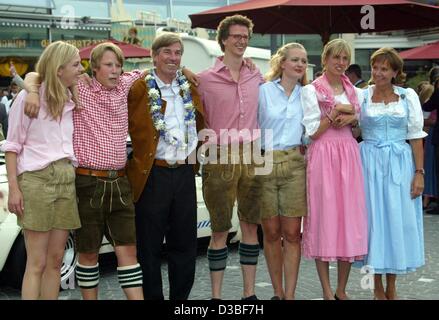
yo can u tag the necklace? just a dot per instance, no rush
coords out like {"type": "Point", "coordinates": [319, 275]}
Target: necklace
{"type": "Point", "coordinates": [158, 118]}
{"type": "Point", "coordinates": [337, 88]}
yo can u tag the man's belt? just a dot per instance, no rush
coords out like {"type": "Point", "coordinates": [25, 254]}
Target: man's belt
{"type": "Point", "coordinates": [164, 163]}
{"type": "Point", "coordinates": [100, 173]}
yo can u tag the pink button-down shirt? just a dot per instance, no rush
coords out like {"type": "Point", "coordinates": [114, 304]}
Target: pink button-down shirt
{"type": "Point", "coordinates": [101, 127]}
{"type": "Point", "coordinates": [231, 106]}
{"type": "Point", "coordinates": [40, 141]}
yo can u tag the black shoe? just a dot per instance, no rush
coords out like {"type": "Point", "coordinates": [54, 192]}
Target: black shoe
{"type": "Point", "coordinates": [335, 297]}
{"type": "Point", "coordinates": [275, 298]}
{"type": "Point", "coordinates": [253, 297]}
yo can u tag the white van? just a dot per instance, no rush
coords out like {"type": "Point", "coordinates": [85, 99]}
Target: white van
{"type": "Point", "coordinates": [200, 54]}
{"type": "Point", "coordinates": [13, 251]}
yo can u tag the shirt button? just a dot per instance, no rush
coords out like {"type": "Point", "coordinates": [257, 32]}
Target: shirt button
{"type": "Point", "coordinates": [155, 137]}
{"type": "Point", "coordinates": [145, 171]}
{"type": "Point", "coordinates": [242, 116]}
{"type": "Point", "coordinates": [150, 154]}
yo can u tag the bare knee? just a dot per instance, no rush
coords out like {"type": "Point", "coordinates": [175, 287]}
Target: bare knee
{"type": "Point", "coordinates": [126, 255]}
{"type": "Point", "coordinates": [36, 265]}
{"type": "Point", "coordinates": [54, 260]}
{"type": "Point", "coordinates": [292, 237]}
{"type": "Point", "coordinates": [218, 240]}
{"type": "Point", "coordinates": [88, 259]}
{"type": "Point", "coordinates": [271, 234]}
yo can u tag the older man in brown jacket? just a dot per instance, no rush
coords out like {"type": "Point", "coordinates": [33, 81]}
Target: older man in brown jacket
{"type": "Point", "coordinates": [165, 114]}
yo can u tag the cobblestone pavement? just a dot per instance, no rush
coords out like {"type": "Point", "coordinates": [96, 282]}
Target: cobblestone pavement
{"type": "Point", "coordinates": [423, 284]}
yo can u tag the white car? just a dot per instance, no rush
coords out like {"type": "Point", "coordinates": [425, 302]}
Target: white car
{"type": "Point", "coordinates": [13, 251]}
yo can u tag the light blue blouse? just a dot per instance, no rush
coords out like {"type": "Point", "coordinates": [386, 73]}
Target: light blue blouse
{"type": "Point", "coordinates": [282, 114]}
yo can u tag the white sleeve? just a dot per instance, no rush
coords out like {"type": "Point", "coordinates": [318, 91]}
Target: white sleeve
{"type": "Point", "coordinates": [311, 110]}
{"type": "Point", "coordinates": [416, 117]}
{"type": "Point", "coordinates": [360, 97]}
{"type": "Point", "coordinates": [426, 114]}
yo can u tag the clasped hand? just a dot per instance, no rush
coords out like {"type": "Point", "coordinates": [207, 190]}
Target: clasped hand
{"type": "Point", "coordinates": [345, 115]}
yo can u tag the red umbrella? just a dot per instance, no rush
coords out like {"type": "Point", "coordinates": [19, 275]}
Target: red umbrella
{"type": "Point", "coordinates": [129, 50]}
{"type": "Point", "coordinates": [324, 17]}
{"type": "Point", "coordinates": [426, 52]}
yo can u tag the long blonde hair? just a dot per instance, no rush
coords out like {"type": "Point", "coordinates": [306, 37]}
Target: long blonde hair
{"type": "Point", "coordinates": [54, 57]}
{"type": "Point", "coordinates": [279, 57]}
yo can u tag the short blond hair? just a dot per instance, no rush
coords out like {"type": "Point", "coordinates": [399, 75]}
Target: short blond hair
{"type": "Point", "coordinates": [333, 48]}
{"type": "Point", "coordinates": [54, 57]}
{"type": "Point", "coordinates": [227, 22]}
{"type": "Point", "coordinates": [164, 40]}
{"type": "Point", "coordinates": [392, 57]}
{"type": "Point", "coordinates": [98, 52]}
{"type": "Point", "coordinates": [279, 57]}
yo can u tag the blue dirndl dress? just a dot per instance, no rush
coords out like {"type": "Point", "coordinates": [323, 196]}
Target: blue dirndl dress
{"type": "Point", "coordinates": [395, 221]}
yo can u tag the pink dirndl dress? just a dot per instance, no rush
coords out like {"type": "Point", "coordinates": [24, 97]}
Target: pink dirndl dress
{"type": "Point", "coordinates": [336, 225]}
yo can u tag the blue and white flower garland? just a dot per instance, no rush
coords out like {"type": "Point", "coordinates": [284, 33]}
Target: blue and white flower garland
{"type": "Point", "coordinates": [158, 120]}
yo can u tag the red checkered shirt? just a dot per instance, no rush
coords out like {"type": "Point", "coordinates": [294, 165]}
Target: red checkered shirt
{"type": "Point", "coordinates": [101, 126]}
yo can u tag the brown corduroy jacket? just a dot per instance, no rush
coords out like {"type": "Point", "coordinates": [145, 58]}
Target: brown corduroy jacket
{"type": "Point", "coordinates": [144, 136]}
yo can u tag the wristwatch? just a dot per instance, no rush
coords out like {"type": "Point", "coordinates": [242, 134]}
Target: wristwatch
{"type": "Point", "coordinates": [420, 171]}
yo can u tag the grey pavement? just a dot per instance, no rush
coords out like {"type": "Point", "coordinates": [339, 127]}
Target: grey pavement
{"type": "Point", "coordinates": [422, 284]}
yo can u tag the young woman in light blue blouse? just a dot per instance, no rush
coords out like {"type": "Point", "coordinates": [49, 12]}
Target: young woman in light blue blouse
{"type": "Point", "coordinates": [283, 202]}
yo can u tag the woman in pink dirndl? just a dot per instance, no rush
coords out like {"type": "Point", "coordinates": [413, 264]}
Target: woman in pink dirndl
{"type": "Point", "coordinates": [336, 226]}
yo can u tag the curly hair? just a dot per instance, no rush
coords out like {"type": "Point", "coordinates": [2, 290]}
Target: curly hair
{"type": "Point", "coordinates": [227, 22]}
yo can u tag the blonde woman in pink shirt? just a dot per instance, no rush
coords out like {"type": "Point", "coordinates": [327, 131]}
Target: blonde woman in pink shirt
{"type": "Point", "coordinates": [40, 166]}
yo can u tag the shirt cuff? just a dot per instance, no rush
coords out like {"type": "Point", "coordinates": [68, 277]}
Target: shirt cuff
{"type": "Point", "coordinates": [9, 146]}
{"type": "Point", "coordinates": [416, 135]}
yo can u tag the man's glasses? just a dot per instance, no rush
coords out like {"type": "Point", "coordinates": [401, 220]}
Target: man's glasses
{"type": "Point", "coordinates": [239, 37]}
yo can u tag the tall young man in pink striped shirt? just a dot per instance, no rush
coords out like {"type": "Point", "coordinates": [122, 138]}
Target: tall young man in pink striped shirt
{"type": "Point", "coordinates": [229, 93]}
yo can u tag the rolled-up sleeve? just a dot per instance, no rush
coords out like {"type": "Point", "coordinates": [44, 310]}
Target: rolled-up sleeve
{"type": "Point", "coordinates": [311, 110]}
{"type": "Point", "coordinates": [416, 117]}
{"type": "Point", "coordinates": [18, 125]}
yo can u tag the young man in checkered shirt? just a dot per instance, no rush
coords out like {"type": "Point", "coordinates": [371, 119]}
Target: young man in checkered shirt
{"type": "Point", "coordinates": [104, 194]}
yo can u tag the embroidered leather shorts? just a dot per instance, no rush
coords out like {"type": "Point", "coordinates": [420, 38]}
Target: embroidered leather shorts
{"type": "Point", "coordinates": [49, 198]}
{"type": "Point", "coordinates": [283, 192]}
{"type": "Point", "coordinates": [105, 208]}
{"type": "Point", "coordinates": [225, 184]}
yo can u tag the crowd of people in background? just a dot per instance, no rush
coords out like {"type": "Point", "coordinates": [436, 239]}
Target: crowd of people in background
{"type": "Point", "coordinates": [360, 203]}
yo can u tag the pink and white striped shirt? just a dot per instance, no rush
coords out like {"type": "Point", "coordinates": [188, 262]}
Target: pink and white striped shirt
{"type": "Point", "coordinates": [101, 126]}
{"type": "Point", "coordinates": [230, 105]}
{"type": "Point", "coordinates": [42, 140]}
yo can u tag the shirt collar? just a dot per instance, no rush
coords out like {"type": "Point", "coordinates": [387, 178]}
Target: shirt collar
{"type": "Point", "coordinates": [96, 86]}
{"type": "Point", "coordinates": [219, 64]}
{"type": "Point", "coordinates": [161, 84]}
{"type": "Point", "coordinates": [395, 90]}
{"type": "Point", "coordinates": [279, 86]}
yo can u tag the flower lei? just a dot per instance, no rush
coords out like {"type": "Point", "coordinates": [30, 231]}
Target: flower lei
{"type": "Point", "coordinates": [158, 117]}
